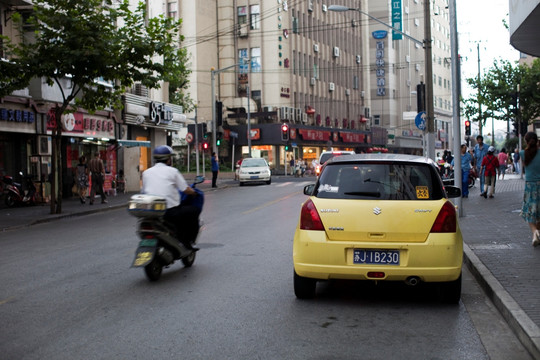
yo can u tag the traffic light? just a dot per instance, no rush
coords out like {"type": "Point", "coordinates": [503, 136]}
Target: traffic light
{"type": "Point", "coordinates": [205, 145]}
{"type": "Point", "coordinates": [284, 132]}
{"type": "Point", "coordinates": [218, 142]}
{"type": "Point", "coordinates": [287, 147]}
{"type": "Point", "coordinates": [467, 127]}
{"type": "Point", "coordinates": [219, 113]}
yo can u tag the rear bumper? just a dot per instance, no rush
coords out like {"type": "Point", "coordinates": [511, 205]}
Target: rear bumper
{"type": "Point", "coordinates": [439, 259]}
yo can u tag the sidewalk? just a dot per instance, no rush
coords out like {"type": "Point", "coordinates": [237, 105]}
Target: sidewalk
{"type": "Point", "coordinates": [499, 253]}
{"type": "Point", "coordinates": [497, 247]}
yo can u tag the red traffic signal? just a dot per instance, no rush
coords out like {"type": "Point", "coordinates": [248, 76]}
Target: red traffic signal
{"type": "Point", "coordinates": [205, 145]}
{"type": "Point", "coordinates": [467, 127]}
{"type": "Point", "coordinates": [285, 132]}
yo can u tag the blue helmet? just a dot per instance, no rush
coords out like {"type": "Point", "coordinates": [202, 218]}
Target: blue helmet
{"type": "Point", "coordinates": [162, 153]}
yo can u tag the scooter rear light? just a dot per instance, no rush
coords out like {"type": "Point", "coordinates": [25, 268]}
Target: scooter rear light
{"type": "Point", "coordinates": [149, 236]}
{"type": "Point", "coordinates": [446, 220]}
{"type": "Point", "coordinates": [309, 217]}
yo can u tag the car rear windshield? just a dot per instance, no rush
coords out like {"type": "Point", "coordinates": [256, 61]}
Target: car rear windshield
{"type": "Point", "coordinates": [384, 181]}
{"type": "Point", "coordinates": [325, 157]}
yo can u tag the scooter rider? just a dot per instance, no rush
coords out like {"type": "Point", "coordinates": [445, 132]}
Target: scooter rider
{"type": "Point", "coordinates": [164, 180]}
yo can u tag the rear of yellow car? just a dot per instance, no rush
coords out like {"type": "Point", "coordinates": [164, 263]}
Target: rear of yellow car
{"type": "Point", "coordinates": [366, 235]}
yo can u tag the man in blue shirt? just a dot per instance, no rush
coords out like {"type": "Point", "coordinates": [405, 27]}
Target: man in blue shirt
{"type": "Point", "coordinates": [466, 159]}
{"type": "Point", "coordinates": [215, 169]}
{"type": "Point", "coordinates": [480, 150]}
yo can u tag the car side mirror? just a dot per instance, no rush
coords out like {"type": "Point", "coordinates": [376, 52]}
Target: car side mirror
{"type": "Point", "coordinates": [452, 191]}
{"type": "Point", "coordinates": [308, 189]}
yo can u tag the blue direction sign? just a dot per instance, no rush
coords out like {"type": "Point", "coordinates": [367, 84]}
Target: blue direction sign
{"type": "Point", "coordinates": [420, 120]}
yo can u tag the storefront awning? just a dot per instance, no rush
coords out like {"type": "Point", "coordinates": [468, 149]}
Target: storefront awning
{"type": "Point", "coordinates": [133, 143]}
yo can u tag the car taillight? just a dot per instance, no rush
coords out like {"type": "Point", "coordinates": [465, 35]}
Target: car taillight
{"type": "Point", "coordinates": [309, 217]}
{"type": "Point", "coordinates": [318, 170]}
{"type": "Point", "coordinates": [446, 220]}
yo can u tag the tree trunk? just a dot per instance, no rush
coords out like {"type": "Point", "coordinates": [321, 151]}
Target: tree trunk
{"type": "Point", "coordinates": [56, 166]}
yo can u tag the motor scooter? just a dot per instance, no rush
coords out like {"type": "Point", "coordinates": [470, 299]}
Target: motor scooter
{"type": "Point", "coordinates": [158, 246]}
{"type": "Point", "coordinates": [17, 194]}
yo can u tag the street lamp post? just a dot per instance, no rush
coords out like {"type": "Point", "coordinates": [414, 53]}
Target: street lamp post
{"type": "Point", "coordinates": [430, 136]}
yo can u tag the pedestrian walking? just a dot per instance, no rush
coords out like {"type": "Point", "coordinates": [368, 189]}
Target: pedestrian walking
{"type": "Point", "coordinates": [466, 160]}
{"type": "Point", "coordinates": [480, 150]}
{"type": "Point", "coordinates": [517, 157]}
{"type": "Point", "coordinates": [215, 169]}
{"type": "Point", "coordinates": [503, 161]}
{"type": "Point", "coordinates": [490, 167]}
{"type": "Point", "coordinates": [97, 171]}
{"type": "Point", "coordinates": [82, 178]}
{"type": "Point", "coordinates": [530, 211]}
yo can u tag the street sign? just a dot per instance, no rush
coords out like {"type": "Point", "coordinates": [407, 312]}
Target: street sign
{"type": "Point", "coordinates": [189, 137]}
{"type": "Point", "coordinates": [420, 120]}
{"type": "Point", "coordinates": [233, 134]}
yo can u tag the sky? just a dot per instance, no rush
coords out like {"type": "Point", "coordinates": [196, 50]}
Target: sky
{"type": "Point", "coordinates": [481, 22]}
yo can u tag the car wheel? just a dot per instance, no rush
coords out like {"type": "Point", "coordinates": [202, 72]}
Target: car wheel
{"type": "Point", "coordinates": [269, 182]}
{"type": "Point", "coordinates": [304, 288]}
{"type": "Point", "coordinates": [241, 183]}
{"type": "Point", "coordinates": [450, 292]}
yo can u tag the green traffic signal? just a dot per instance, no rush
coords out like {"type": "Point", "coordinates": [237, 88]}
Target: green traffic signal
{"type": "Point", "coordinates": [218, 142]}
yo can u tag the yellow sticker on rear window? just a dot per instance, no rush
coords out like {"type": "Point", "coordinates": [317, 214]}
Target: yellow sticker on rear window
{"type": "Point", "coordinates": [422, 192]}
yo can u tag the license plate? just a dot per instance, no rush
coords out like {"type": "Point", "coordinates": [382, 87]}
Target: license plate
{"type": "Point", "coordinates": [379, 257]}
{"type": "Point", "coordinates": [254, 176]}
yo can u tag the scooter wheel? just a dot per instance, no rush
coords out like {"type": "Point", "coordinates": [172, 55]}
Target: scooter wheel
{"type": "Point", "coordinates": [189, 260]}
{"type": "Point", "coordinates": [10, 201]}
{"type": "Point", "coordinates": [153, 270]}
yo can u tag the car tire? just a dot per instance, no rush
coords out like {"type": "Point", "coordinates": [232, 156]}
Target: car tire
{"type": "Point", "coordinates": [269, 182]}
{"type": "Point", "coordinates": [241, 183]}
{"type": "Point", "coordinates": [304, 288]}
{"type": "Point", "coordinates": [450, 292]}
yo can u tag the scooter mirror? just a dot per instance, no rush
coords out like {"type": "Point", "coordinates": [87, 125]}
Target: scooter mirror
{"type": "Point", "coordinates": [199, 179]}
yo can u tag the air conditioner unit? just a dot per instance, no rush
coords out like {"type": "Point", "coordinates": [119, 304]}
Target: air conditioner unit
{"type": "Point", "coordinates": [331, 86]}
{"type": "Point", "coordinates": [336, 51]}
{"type": "Point", "coordinates": [312, 81]}
{"type": "Point", "coordinates": [362, 94]}
{"type": "Point", "coordinates": [358, 59]}
{"type": "Point", "coordinates": [310, 5]}
{"type": "Point", "coordinates": [243, 30]}
{"type": "Point", "coordinates": [354, 23]}
{"type": "Point", "coordinates": [347, 92]}
{"type": "Point", "coordinates": [316, 47]}
{"type": "Point", "coordinates": [324, 8]}
{"type": "Point", "coordinates": [417, 67]}
{"type": "Point", "coordinates": [268, 109]}
{"type": "Point", "coordinates": [140, 90]}
{"type": "Point", "coordinates": [44, 145]}
{"type": "Point", "coordinates": [407, 58]}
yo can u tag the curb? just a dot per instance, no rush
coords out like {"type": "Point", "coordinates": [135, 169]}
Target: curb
{"type": "Point", "coordinates": [525, 329]}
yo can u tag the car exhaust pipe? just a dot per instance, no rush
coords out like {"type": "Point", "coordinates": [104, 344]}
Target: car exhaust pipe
{"type": "Point", "coordinates": [412, 281]}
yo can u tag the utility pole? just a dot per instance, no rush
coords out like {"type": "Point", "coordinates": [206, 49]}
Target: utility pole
{"type": "Point", "coordinates": [479, 93]}
{"type": "Point", "coordinates": [428, 59]}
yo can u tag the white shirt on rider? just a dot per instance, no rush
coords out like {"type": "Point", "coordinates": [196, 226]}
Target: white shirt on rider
{"type": "Point", "coordinates": [166, 181]}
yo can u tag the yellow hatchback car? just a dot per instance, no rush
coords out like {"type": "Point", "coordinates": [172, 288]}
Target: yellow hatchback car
{"type": "Point", "coordinates": [381, 217]}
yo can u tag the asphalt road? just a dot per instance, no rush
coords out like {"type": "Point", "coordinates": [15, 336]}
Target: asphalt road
{"type": "Point", "coordinates": [68, 293]}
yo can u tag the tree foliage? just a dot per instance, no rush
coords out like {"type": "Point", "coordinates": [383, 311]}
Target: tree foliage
{"type": "Point", "coordinates": [495, 91]}
{"type": "Point", "coordinates": [101, 46]}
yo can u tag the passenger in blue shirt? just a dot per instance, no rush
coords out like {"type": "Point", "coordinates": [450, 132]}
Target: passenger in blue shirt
{"type": "Point", "coordinates": [466, 160]}
{"type": "Point", "coordinates": [480, 150]}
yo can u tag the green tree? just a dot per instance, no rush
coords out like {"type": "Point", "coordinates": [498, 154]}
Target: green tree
{"type": "Point", "coordinates": [102, 46]}
{"type": "Point", "coordinates": [497, 88]}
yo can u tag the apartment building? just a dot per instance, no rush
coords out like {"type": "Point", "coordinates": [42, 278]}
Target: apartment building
{"type": "Point", "coordinates": [287, 61]}
{"type": "Point", "coordinates": [398, 66]}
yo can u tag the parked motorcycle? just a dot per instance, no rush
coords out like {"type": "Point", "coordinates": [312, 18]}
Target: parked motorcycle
{"type": "Point", "coordinates": [17, 193]}
{"type": "Point", "coordinates": [159, 247]}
